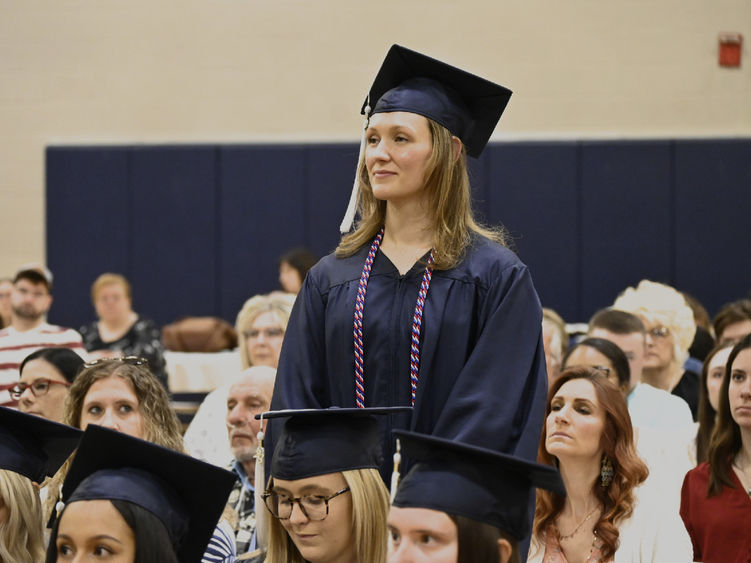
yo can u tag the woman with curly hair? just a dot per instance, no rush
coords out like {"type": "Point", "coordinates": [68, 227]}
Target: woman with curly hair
{"type": "Point", "coordinates": [715, 503]}
{"type": "Point", "coordinates": [588, 435]}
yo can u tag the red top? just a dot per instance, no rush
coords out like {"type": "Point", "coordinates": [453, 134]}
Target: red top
{"type": "Point", "coordinates": [719, 526]}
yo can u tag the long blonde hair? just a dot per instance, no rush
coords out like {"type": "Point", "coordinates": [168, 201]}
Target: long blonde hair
{"type": "Point", "coordinates": [370, 506]}
{"type": "Point", "coordinates": [449, 201]}
{"type": "Point", "coordinates": [21, 536]}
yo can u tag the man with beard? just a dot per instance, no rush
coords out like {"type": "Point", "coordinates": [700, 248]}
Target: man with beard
{"type": "Point", "coordinates": [29, 330]}
{"type": "Point", "coordinates": [249, 395]}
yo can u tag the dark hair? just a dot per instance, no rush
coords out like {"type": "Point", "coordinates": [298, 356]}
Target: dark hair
{"type": "Point", "coordinates": [478, 541]}
{"type": "Point", "coordinates": [726, 439]}
{"type": "Point", "coordinates": [731, 313]}
{"type": "Point", "coordinates": [617, 442]}
{"type": "Point", "coordinates": [617, 322]}
{"type": "Point", "coordinates": [707, 414]}
{"type": "Point", "coordinates": [153, 544]}
{"type": "Point", "coordinates": [301, 259]}
{"type": "Point", "coordinates": [65, 360]}
{"type": "Point", "coordinates": [612, 352]}
{"type": "Point", "coordinates": [34, 276]}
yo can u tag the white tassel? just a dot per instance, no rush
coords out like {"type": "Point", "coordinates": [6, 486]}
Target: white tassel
{"type": "Point", "coordinates": [349, 215]}
{"type": "Point", "coordinates": [260, 487]}
{"type": "Point", "coordinates": [395, 474]}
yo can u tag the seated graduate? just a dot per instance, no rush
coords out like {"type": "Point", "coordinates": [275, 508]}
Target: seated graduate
{"type": "Point", "coordinates": [326, 496]}
{"type": "Point", "coordinates": [31, 448]}
{"type": "Point", "coordinates": [133, 501]}
{"type": "Point", "coordinates": [462, 502]}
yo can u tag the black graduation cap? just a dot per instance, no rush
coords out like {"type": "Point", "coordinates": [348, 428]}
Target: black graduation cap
{"type": "Point", "coordinates": [34, 446]}
{"type": "Point", "coordinates": [186, 494]}
{"type": "Point", "coordinates": [320, 441]}
{"type": "Point", "coordinates": [470, 481]}
{"type": "Point", "coordinates": [465, 104]}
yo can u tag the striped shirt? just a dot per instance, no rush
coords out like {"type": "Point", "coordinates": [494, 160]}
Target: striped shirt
{"type": "Point", "coordinates": [221, 548]}
{"type": "Point", "coordinates": [16, 345]}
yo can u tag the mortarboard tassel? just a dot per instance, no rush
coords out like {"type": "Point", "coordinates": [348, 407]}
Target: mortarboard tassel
{"type": "Point", "coordinates": [395, 474]}
{"type": "Point", "coordinates": [260, 487]}
{"type": "Point", "coordinates": [349, 215]}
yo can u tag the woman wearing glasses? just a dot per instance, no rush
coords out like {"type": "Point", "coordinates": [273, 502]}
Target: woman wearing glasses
{"type": "Point", "coordinates": [46, 376]}
{"type": "Point", "coordinates": [326, 498]}
{"type": "Point", "coordinates": [603, 355]}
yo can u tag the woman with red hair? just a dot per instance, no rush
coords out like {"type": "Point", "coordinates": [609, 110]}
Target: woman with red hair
{"type": "Point", "coordinates": [588, 435]}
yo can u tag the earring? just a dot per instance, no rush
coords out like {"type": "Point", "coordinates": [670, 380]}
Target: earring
{"type": "Point", "coordinates": [606, 472]}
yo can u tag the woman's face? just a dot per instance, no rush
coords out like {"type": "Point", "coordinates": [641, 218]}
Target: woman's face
{"type": "Point", "coordinates": [112, 304]}
{"type": "Point", "coordinates": [715, 374]}
{"type": "Point", "coordinates": [398, 147]}
{"type": "Point", "coordinates": [51, 404]}
{"type": "Point", "coordinates": [591, 357]}
{"type": "Point", "coordinates": [660, 349]}
{"type": "Point", "coordinates": [576, 421]}
{"type": "Point", "coordinates": [112, 403]}
{"type": "Point", "coordinates": [330, 540]}
{"type": "Point", "coordinates": [264, 340]}
{"type": "Point", "coordinates": [93, 530]}
{"type": "Point", "coordinates": [421, 535]}
{"type": "Point", "coordinates": [739, 389]}
{"type": "Point", "coordinates": [289, 278]}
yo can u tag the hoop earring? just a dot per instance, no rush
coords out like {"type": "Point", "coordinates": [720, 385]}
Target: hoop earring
{"type": "Point", "coordinates": [606, 471]}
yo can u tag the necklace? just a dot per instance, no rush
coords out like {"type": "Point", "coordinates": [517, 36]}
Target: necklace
{"type": "Point", "coordinates": [414, 360]}
{"type": "Point", "coordinates": [736, 463]}
{"type": "Point", "coordinates": [578, 527]}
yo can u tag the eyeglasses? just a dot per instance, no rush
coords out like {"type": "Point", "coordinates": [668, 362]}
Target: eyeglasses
{"type": "Point", "coordinates": [314, 507]}
{"type": "Point", "coordinates": [659, 332]}
{"type": "Point", "coordinates": [38, 387]}
{"type": "Point", "coordinates": [267, 332]}
{"type": "Point", "coordinates": [130, 360]}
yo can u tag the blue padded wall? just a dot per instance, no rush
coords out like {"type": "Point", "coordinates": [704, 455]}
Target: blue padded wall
{"type": "Point", "coordinates": [198, 229]}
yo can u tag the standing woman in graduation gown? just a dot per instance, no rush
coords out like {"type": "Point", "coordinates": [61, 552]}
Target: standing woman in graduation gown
{"type": "Point", "coordinates": [419, 305]}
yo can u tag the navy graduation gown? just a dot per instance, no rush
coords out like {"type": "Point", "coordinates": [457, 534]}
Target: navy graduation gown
{"type": "Point", "coordinates": [482, 376]}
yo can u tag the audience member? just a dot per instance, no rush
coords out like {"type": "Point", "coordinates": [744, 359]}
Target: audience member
{"type": "Point", "coordinates": [712, 375]}
{"type": "Point", "coordinates": [46, 376]}
{"type": "Point", "coordinates": [325, 495]}
{"type": "Point", "coordinates": [31, 448]}
{"type": "Point", "coordinates": [6, 306]}
{"type": "Point", "coordinates": [648, 406]}
{"type": "Point", "coordinates": [604, 356]}
{"type": "Point", "coordinates": [605, 515]}
{"type": "Point", "coordinates": [293, 267]}
{"type": "Point", "coordinates": [29, 330]}
{"type": "Point", "coordinates": [733, 322]}
{"type": "Point", "coordinates": [715, 504]}
{"type": "Point", "coordinates": [130, 500]}
{"type": "Point", "coordinates": [261, 324]}
{"type": "Point", "coordinates": [123, 395]}
{"type": "Point", "coordinates": [120, 331]}
{"type": "Point", "coordinates": [248, 396]}
{"type": "Point", "coordinates": [470, 502]}
{"type": "Point", "coordinates": [555, 341]}
{"type": "Point", "coordinates": [670, 329]}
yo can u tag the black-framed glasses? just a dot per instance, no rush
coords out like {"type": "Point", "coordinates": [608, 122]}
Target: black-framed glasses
{"type": "Point", "coordinates": [130, 360]}
{"type": "Point", "coordinates": [314, 507]}
{"type": "Point", "coordinates": [38, 387]}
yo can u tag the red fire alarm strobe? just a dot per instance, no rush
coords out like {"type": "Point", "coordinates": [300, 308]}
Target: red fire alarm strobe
{"type": "Point", "coordinates": [730, 49]}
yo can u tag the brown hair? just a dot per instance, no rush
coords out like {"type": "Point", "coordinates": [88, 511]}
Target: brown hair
{"type": "Point", "coordinates": [110, 279]}
{"type": "Point", "coordinates": [478, 541]}
{"type": "Point", "coordinates": [726, 438]}
{"type": "Point", "coordinates": [731, 313]}
{"type": "Point", "coordinates": [617, 442]}
{"type": "Point", "coordinates": [447, 184]}
{"type": "Point", "coordinates": [707, 414]}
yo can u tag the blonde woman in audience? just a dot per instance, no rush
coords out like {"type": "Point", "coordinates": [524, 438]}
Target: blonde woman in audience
{"type": "Point", "coordinates": [261, 324]}
{"type": "Point", "coordinates": [606, 515]}
{"type": "Point", "coordinates": [555, 341]}
{"type": "Point", "coordinates": [670, 329]}
{"type": "Point", "coordinates": [716, 496]}
{"type": "Point", "coordinates": [120, 331]}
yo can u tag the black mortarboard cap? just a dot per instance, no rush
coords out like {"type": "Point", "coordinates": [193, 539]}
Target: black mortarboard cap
{"type": "Point", "coordinates": [465, 104]}
{"type": "Point", "coordinates": [470, 481]}
{"type": "Point", "coordinates": [34, 446]}
{"type": "Point", "coordinates": [320, 441]}
{"type": "Point", "coordinates": [186, 494]}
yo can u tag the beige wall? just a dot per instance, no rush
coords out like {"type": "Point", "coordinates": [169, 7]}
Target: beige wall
{"type": "Point", "coordinates": [126, 71]}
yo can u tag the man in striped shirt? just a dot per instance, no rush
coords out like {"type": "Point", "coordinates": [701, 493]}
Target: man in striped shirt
{"type": "Point", "coordinates": [29, 330]}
